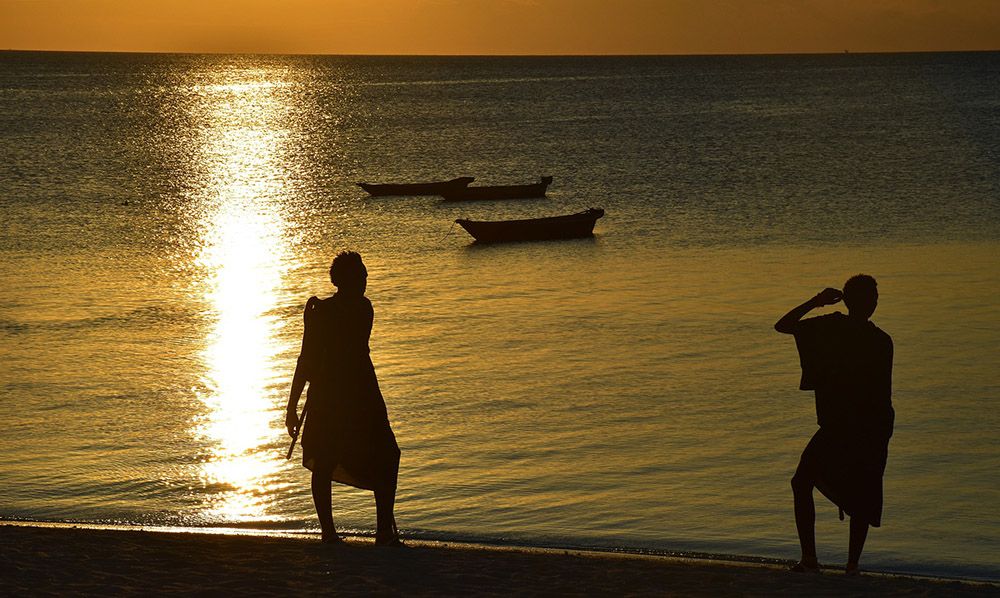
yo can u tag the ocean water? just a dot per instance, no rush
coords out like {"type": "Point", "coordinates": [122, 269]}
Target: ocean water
{"type": "Point", "coordinates": [165, 218]}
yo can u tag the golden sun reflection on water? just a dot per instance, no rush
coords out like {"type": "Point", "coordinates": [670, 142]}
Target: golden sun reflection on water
{"type": "Point", "coordinates": [244, 254]}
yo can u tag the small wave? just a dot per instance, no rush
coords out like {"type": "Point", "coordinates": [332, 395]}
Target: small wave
{"type": "Point", "coordinates": [13, 327]}
{"type": "Point", "coordinates": [149, 315]}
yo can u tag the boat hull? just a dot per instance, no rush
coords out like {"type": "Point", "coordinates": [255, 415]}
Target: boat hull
{"type": "Point", "coordinates": [572, 226]}
{"type": "Point", "coordinates": [431, 188]}
{"type": "Point", "coordinates": [531, 191]}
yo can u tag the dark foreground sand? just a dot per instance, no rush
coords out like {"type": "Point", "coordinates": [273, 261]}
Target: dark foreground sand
{"type": "Point", "coordinates": [36, 560]}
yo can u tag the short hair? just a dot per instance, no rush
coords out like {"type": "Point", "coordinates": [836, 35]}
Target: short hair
{"type": "Point", "coordinates": [860, 289]}
{"type": "Point", "coordinates": [347, 269]}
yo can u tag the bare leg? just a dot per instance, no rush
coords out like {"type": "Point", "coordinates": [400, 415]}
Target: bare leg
{"type": "Point", "coordinates": [324, 505]}
{"type": "Point", "coordinates": [859, 533]}
{"type": "Point", "coordinates": [385, 501]}
{"type": "Point", "coordinates": [805, 518]}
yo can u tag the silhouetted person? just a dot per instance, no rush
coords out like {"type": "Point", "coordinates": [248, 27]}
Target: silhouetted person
{"type": "Point", "coordinates": [847, 360]}
{"type": "Point", "coordinates": [346, 436]}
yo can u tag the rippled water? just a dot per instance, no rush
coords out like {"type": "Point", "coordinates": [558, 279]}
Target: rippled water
{"type": "Point", "coordinates": [166, 217]}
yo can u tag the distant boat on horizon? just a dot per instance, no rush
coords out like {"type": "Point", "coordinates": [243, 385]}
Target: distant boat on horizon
{"type": "Point", "coordinates": [570, 226]}
{"type": "Point", "coordinates": [466, 193]}
{"type": "Point", "coordinates": [402, 189]}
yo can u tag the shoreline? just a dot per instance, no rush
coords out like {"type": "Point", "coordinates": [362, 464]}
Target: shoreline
{"type": "Point", "coordinates": [430, 540]}
{"type": "Point", "coordinates": [84, 558]}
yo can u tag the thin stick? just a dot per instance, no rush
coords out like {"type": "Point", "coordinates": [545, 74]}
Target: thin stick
{"type": "Point", "coordinates": [298, 428]}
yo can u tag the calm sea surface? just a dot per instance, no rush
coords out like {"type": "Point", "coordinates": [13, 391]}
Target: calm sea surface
{"type": "Point", "coordinates": [165, 218]}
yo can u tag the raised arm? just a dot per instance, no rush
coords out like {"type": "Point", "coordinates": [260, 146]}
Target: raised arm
{"type": "Point", "coordinates": [786, 325]}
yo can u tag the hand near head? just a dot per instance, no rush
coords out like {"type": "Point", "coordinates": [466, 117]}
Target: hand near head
{"type": "Point", "coordinates": [828, 296]}
{"type": "Point", "coordinates": [788, 324]}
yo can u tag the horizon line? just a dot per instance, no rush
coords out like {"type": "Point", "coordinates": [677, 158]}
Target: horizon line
{"type": "Point", "coordinates": [511, 55]}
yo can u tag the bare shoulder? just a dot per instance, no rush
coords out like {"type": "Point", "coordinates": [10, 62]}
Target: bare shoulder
{"type": "Point", "coordinates": [313, 305]}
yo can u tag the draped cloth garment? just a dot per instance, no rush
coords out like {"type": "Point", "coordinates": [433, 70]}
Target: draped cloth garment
{"type": "Point", "coordinates": [849, 366]}
{"type": "Point", "coordinates": [347, 430]}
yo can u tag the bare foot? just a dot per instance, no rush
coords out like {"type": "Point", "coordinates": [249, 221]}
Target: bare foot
{"type": "Point", "coordinates": [389, 539]}
{"type": "Point", "coordinates": [805, 566]}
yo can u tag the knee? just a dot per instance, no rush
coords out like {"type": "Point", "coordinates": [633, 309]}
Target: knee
{"type": "Point", "coordinates": [801, 483]}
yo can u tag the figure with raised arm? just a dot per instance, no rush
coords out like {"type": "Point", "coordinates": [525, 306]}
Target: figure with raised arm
{"type": "Point", "coordinates": [346, 435]}
{"type": "Point", "coordinates": [847, 361]}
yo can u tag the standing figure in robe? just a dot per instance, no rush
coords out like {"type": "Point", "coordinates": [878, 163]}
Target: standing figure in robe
{"type": "Point", "coordinates": [346, 436]}
{"type": "Point", "coordinates": [847, 361]}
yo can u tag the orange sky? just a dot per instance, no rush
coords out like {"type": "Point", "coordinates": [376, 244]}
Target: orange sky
{"type": "Point", "coordinates": [501, 26]}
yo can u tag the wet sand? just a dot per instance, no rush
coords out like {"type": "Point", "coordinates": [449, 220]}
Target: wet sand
{"type": "Point", "coordinates": [64, 560]}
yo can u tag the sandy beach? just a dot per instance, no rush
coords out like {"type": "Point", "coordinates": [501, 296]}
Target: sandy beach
{"type": "Point", "coordinates": [67, 560]}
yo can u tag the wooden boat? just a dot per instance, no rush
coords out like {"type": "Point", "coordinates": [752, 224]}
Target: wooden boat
{"type": "Point", "coordinates": [465, 193]}
{"type": "Point", "coordinates": [534, 229]}
{"type": "Point", "coordinates": [433, 188]}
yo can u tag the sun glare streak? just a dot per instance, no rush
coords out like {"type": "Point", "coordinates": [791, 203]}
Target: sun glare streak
{"type": "Point", "coordinates": [243, 251]}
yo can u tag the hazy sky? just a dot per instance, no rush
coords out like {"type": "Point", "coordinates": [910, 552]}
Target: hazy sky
{"type": "Point", "coordinates": [501, 26]}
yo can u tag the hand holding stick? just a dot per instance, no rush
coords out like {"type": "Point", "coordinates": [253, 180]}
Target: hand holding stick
{"type": "Point", "coordinates": [296, 428]}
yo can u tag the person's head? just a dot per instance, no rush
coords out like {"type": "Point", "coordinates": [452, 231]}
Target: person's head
{"type": "Point", "coordinates": [861, 295]}
{"type": "Point", "coordinates": [348, 273]}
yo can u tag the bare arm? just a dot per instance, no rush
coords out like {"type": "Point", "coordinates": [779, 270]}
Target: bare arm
{"type": "Point", "coordinates": [299, 380]}
{"type": "Point", "coordinates": [786, 325]}
{"type": "Point", "coordinates": [291, 411]}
